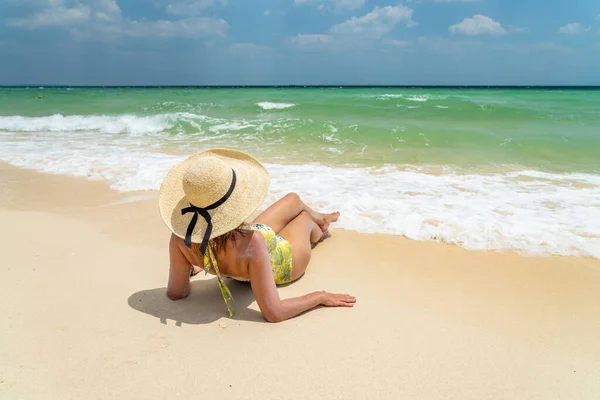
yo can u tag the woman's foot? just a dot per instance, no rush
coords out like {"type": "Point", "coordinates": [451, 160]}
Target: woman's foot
{"type": "Point", "coordinates": [324, 236]}
{"type": "Point", "coordinates": [328, 219]}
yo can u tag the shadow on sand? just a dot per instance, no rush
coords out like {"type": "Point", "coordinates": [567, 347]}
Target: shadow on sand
{"type": "Point", "coordinates": [203, 306]}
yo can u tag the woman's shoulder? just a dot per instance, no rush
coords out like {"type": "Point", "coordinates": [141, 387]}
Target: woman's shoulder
{"type": "Point", "coordinates": [256, 240]}
{"type": "Point", "coordinates": [253, 243]}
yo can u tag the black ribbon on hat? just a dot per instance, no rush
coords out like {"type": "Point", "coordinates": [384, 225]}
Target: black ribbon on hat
{"type": "Point", "coordinates": [207, 217]}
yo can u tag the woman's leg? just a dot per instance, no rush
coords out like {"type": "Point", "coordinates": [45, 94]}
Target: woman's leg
{"type": "Point", "coordinates": [301, 233]}
{"type": "Point", "coordinates": [281, 213]}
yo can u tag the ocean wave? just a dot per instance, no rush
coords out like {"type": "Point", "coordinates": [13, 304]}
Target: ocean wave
{"type": "Point", "coordinates": [267, 105]}
{"type": "Point", "coordinates": [420, 99]}
{"type": "Point", "coordinates": [387, 96]}
{"type": "Point", "coordinates": [230, 126]}
{"type": "Point", "coordinates": [180, 130]}
{"type": "Point", "coordinates": [530, 212]}
{"type": "Point", "coordinates": [425, 97]}
{"type": "Point", "coordinates": [126, 123]}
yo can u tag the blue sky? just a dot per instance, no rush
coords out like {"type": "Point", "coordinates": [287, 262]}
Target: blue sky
{"type": "Point", "coordinates": [263, 42]}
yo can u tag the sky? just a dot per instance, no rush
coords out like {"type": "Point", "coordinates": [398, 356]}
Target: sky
{"type": "Point", "coordinates": [300, 42]}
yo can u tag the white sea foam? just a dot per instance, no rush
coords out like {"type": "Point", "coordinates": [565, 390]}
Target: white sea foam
{"type": "Point", "coordinates": [420, 99]}
{"type": "Point", "coordinates": [330, 138]}
{"type": "Point", "coordinates": [388, 96]}
{"type": "Point", "coordinates": [230, 126]}
{"type": "Point", "coordinates": [267, 105]}
{"type": "Point", "coordinates": [442, 107]}
{"type": "Point", "coordinates": [404, 106]}
{"type": "Point", "coordinates": [531, 212]}
{"type": "Point", "coordinates": [131, 124]}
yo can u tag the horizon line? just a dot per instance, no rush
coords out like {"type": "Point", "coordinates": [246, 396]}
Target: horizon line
{"type": "Point", "coordinates": [38, 86]}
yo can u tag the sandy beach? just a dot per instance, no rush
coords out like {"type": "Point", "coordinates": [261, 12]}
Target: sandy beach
{"type": "Point", "coordinates": [84, 314]}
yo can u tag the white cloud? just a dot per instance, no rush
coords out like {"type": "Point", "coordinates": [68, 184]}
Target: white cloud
{"type": "Point", "coordinates": [310, 40]}
{"type": "Point", "coordinates": [376, 23]}
{"type": "Point", "coordinates": [191, 7]}
{"type": "Point", "coordinates": [456, 1]}
{"type": "Point", "coordinates": [183, 28]}
{"type": "Point", "coordinates": [102, 20]}
{"type": "Point", "coordinates": [573, 28]}
{"type": "Point", "coordinates": [359, 31]}
{"type": "Point", "coordinates": [478, 25]}
{"type": "Point", "coordinates": [338, 5]}
{"type": "Point", "coordinates": [105, 11]}
{"type": "Point", "coordinates": [188, 27]}
{"type": "Point", "coordinates": [57, 15]}
{"type": "Point", "coordinates": [267, 12]}
{"type": "Point", "coordinates": [401, 43]}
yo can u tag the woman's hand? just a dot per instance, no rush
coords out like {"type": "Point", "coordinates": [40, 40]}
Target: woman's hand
{"type": "Point", "coordinates": [337, 300]}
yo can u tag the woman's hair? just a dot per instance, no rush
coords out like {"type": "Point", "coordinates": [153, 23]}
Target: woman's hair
{"type": "Point", "coordinates": [219, 243]}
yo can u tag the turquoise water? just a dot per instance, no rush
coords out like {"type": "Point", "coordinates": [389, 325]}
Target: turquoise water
{"type": "Point", "coordinates": [543, 129]}
{"type": "Point", "coordinates": [496, 169]}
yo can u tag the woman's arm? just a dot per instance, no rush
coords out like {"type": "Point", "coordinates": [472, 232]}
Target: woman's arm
{"type": "Point", "coordinates": [179, 269]}
{"type": "Point", "coordinates": [271, 306]}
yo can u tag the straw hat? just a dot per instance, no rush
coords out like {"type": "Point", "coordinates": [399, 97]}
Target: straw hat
{"type": "Point", "coordinates": [211, 193]}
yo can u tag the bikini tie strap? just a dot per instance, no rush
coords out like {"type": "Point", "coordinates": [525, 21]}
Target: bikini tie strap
{"type": "Point", "coordinates": [227, 297]}
{"type": "Point", "coordinates": [207, 217]}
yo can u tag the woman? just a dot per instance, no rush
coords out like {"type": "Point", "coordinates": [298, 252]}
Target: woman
{"type": "Point", "coordinates": [206, 202]}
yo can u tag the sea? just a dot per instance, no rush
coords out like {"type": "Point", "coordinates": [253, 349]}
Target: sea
{"type": "Point", "coordinates": [506, 169]}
